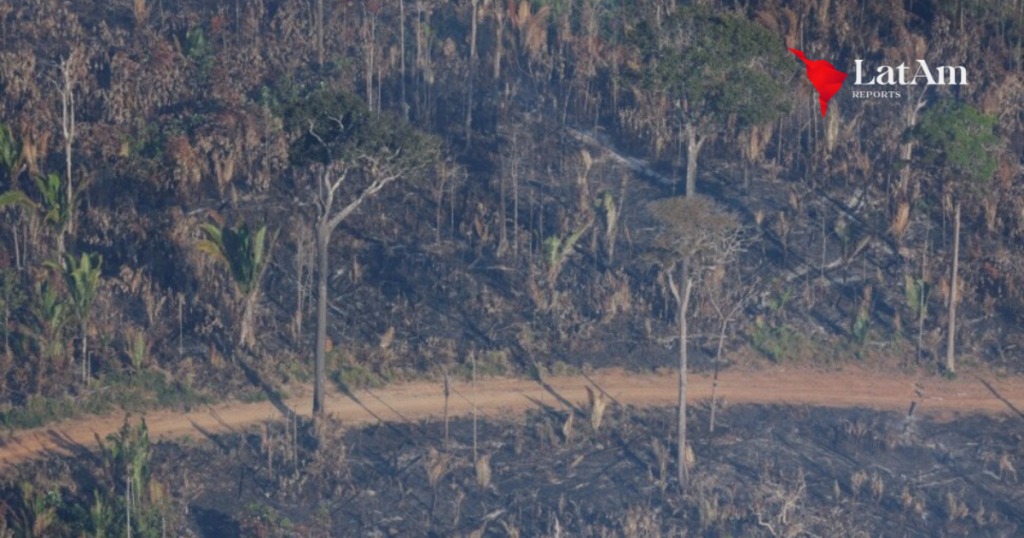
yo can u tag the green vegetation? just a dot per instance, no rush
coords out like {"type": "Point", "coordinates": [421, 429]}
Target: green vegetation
{"type": "Point", "coordinates": [12, 298]}
{"type": "Point", "coordinates": [10, 150]}
{"type": "Point", "coordinates": [50, 315]}
{"type": "Point", "coordinates": [81, 279]}
{"type": "Point", "coordinates": [720, 71]}
{"type": "Point", "coordinates": [125, 501]}
{"type": "Point", "coordinates": [144, 391]}
{"type": "Point", "coordinates": [777, 343]}
{"type": "Point", "coordinates": [959, 145]}
{"type": "Point", "coordinates": [246, 256]}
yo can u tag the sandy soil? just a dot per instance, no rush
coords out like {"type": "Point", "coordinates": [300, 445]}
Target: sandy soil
{"type": "Point", "coordinates": [497, 397]}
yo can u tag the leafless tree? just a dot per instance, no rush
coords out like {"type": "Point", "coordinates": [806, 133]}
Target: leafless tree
{"type": "Point", "coordinates": [303, 274]}
{"type": "Point", "coordinates": [695, 237]}
{"type": "Point", "coordinates": [471, 72]}
{"type": "Point", "coordinates": [69, 68]}
{"type": "Point", "coordinates": [728, 302]}
{"type": "Point", "coordinates": [330, 212]}
{"type": "Point", "coordinates": [319, 16]}
{"type": "Point", "coordinates": [354, 167]}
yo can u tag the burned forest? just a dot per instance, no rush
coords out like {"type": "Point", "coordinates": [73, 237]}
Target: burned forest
{"type": "Point", "coordinates": [511, 268]}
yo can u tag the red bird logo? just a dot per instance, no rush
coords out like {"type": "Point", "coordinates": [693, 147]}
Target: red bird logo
{"type": "Point", "coordinates": [825, 78]}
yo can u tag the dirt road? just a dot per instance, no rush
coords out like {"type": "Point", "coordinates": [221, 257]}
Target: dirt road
{"type": "Point", "coordinates": [498, 397]}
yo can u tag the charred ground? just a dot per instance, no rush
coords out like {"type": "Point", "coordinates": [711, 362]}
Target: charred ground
{"type": "Point", "coordinates": [766, 471]}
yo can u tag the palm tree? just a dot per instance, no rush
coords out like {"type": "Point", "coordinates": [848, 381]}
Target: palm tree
{"type": "Point", "coordinates": [54, 207]}
{"type": "Point", "coordinates": [246, 255]}
{"type": "Point", "coordinates": [50, 314]}
{"type": "Point", "coordinates": [10, 151]}
{"type": "Point", "coordinates": [82, 278]}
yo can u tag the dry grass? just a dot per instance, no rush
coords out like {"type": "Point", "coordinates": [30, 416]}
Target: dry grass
{"type": "Point", "coordinates": [483, 471]}
{"type": "Point", "coordinates": [661, 456]}
{"type": "Point", "coordinates": [955, 507]}
{"type": "Point", "coordinates": [567, 428]}
{"type": "Point", "coordinates": [1006, 468]}
{"type": "Point", "coordinates": [596, 405]}
{"type": "Point", "coordinates": [857, 481]}
{"type": "Point", "coordinates": [437, 464]}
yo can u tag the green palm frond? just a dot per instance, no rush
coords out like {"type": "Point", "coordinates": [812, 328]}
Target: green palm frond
{"type": "Point", "coordinates": [16, 198]}
{"type": "Point", "coordinates": [82, 277]}
{"type": "Point", "coordinates": [55, 204]}
{"type": "Point", "coordinates": [245, 253]}
{"type": "Point", "coordinates": [10, 149]}
{"type": "Point", "coordinates": [213, 244]}
{"type": "Point", "coordinates": [258, 244]}
{"type": "Point", "coordinates": [51, 315]}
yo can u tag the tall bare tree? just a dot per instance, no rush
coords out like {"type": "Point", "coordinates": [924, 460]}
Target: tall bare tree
{"type": "Point", "coordinates": [353, 155]}
{"type": "Point", "coordinates": [319, 16]}
{"type": "Point", "coordinates": [471, 72]}
{"type": "Point", "coordinates": [695, 236]}
{"type": "Point", "coordinates": [69, 68]}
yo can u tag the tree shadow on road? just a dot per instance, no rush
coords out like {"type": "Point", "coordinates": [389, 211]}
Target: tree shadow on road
{"type": "Point", "coordinates": [272, 394]}
{"type": "Point", "coordinates": [1001, 398]}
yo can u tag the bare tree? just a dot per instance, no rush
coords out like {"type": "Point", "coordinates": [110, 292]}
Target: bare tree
{"type": "Point", "coordinates": [68, 80]}
{"type": "Point", "coordinates": [728, 303]}
{"type": "Point", "coordinates": [500, 15]}
{"type": "Point", "coordinates": [303, 274]}
{"type": "Point", "coordinates": [319, 16]}
{"type": "Point", "coordinates": [355, 155]}
{"type": "Point", "coordinates": [401, 56]}
{"type": "Point", "coordinates": [471, 72]}
{"type": "Point", "coordinates": [329, 214]}
{"type": "Point", "coordinates": [696, 236]}
{"type": "Point", "coordinates": [369, 31]}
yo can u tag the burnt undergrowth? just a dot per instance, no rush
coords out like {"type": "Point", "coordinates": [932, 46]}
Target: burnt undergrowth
{"type": "Point", "coordinates": [766, 471]}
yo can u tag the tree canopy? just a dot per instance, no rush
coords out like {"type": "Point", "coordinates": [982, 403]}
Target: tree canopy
{"type": "Point", "coordinates": [695, 229]}
{"type": "Point", "coordinates": [716, 67]}
{"type": "Point", "coordinates": [958, 145]}
{"type": "Point", "coordinates": [336, 126]}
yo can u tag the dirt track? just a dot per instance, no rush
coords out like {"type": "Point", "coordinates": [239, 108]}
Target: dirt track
{"type": "Point", "coordinates": [422, 400]}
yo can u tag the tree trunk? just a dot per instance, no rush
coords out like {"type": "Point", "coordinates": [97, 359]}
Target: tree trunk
{"type": "Point", "coordinates": [300, 293]}
{"type": "Point", "coordinates": [499, 44]}
{"type": "Point", "coordinates": [922, 300]}
{"type": "Point", "coordinates": [68, 125]}
{"type": "Point", "coordinates": [320, 32]}
{"type": "Point", "coordinates": [246, 335]}
{"type": "Point", "coordinates": [371, 46]}
{"type": "Point", "coordinates": [401, 55]}
{"type": "Point", "coordinates": [714, 382]}
{"type": "Point", "coordinates": [515, 193]}
{"type": "Point", "coordinates": [469, 75]}
{"type": "Point", "coordinates": [85, 352]}
{"type": "Point", "coordinates": [910, 111]}
{"type": "Point", "coordinates": [684, 304]}
{"type": "Point", "coordinates": [693, 147]}
{"type": "Point", "coordinates": [473, 357]}
{"type": "Point", "coordinates": [951, 342]}
{"type": "Point", "coordinates": [503, 215]}
{"type": "Point", "coordinates": [7, 325]}
{"type": "Point", "coordinates": [323, 238]}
